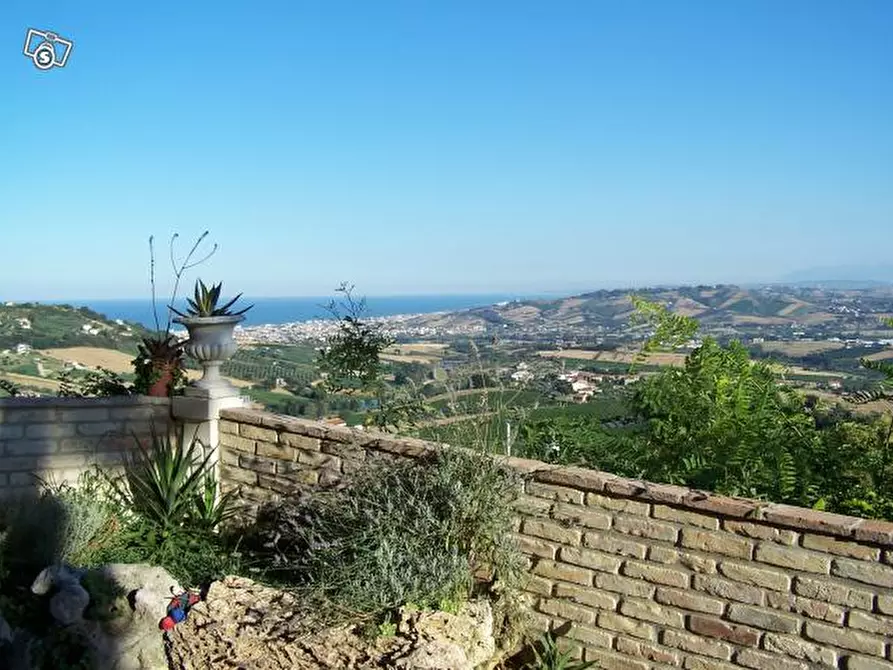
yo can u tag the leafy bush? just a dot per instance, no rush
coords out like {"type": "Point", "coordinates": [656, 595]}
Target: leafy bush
{"type": "Point", "coordinates": [170, 494]}
{"type": "Point", "coordinates": [407, 531]}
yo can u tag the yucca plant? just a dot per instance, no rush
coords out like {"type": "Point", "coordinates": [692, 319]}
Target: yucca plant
{"type": "Point", "coordinates": [204, 302]}
{"type": "Point", "coordinates": [547, 656]}
{"type": "Point", "coordinates": [211, 511]}
{"type": "Point", "coordinates": [162, 483]}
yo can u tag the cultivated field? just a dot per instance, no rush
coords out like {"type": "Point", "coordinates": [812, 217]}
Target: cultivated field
{"type": "Point", "coordinates": [28, 380]}
{"type": "Point", "coordinates": [416, 352]}
{"type": "Point", "coordinates": [93, 357]}
{"type": "Point", "coordinates": [796, 348]}
{"type": "Point", "coordinates": [881, 355]}
{"type": "Point", "coordinates": [111, 359]}
{"type": "Point", "coordinates": [658, 358]}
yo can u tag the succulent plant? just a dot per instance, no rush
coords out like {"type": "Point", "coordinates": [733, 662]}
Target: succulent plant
{"type": "Point", "coordinates": [204, 302]}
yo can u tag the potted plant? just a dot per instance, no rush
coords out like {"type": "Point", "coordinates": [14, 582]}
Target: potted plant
{"type": "Point", "coordinates": [211, 329]}
{"type": "Point", "coordinates": [159, 365]}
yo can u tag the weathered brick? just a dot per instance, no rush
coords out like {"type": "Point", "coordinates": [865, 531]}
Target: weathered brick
{"type": "Point", "coordinates": [748, 574]}
{"type": "Point", "coordinates": [618, 504]}
{"type": "Point", "coordinates": [280, 451]}
{"type": "Point", "coordinates": [538, 585]}
{"type": "Point", "coordinates": [716, 542]}
{"type": "Point", "coordinates": [317, 459]}
{"type": "Point", "coordinates": [643, 527]}
{"type": "Point", "coordinates": [128, 414]}
{"type": "Point", "coordinates": [863, 663]}
{"type": "Point", "coordinates": [612, 544]}
{"type": "Point", "coordinates": [687, 600]}
{"type": "Point", "coordinates": [299, 441]}
{"type": "Point", "coordinates": [258, 433]}
{"type": "Point", "coordinates": [532, 506]}
{"type": "Point", "coordinates": [685, 517]}
{"type": "Point", "coordinates": [860, 571]}
{"type": "Point", "coordinates": [813, 609]}
{"type": "Point", "coordinates": [286, 485]}
{"type": "Point", "coordinates": [609, 660]}
{"type": "Point", "coordinates": [238, 475]}
{"type": "Point", "coordinates": [562, 572]}
{"type": "Point", "coordinates": [52, 430]}
{"type": "Point", "coordinates": [656, 574]}
{"type": "Point", "coordinates": [844, 638]}
{"type": "Point", "coordinates": [551, 531]}
{"type": "Point", "coordinates": [760, 660]}
{"type": "Point", "coordinates": [20, 463]}
{"type": "Point", "coordinates": [831, 545]}
{"type": "Point", "coordinates": [647, 650]}
{"type": "Point", "coordinates": [95, 429]}
{"type": "Point", "coordinates": [885, 604]}
{"type": "Point", "coordinates": [760, 532]}
{"type": "Point", "coordinates": [592, 637]}
{"type": "Point", "coordinates": [536, 547]}
{"type": "Point", "coordinates": [257, 463]}
{"type": "Point", "coordinates": [618, 584]}
{"type": "Point", "coordinates": [763, 618]}
{"type": "Point", "coordinates": [833, 592]}
{"type": "Point", "coordinates": [791, 558]}
{"type": "Point", "coordinates": [11, 431]}
{"type": "Point", "coordinates": [621, 624]}
{"type": "Point", "coordinates": [237, 443]}
{"type": "Point", "coordinates": [711, 627]}
{"type": "Point", "coordinates": [86, 414]}
{"type": "Point", "coordinates": [696, 644]}
{"type": "Point", "coordinates": [229, 427]}
{"type": "Point", "coordinates": [727, 590]}
{"type": "Point", "coordinates": [879, 625]}
{"type": "Point", "coordinates": [796, 647]}
{"type": "Point", "coordinates": [566, 610]}
{"type": "Point", "coordinates": [554, 492]}
{"type": "Point", "coordinates": [343, 450]}
{"type": "Point", "coordinates": [701, 663]}
{"type": "Point", "coordinates": [582, 595]}
{"type": "Point", "coordinates": [228, 457]}
{"type": "Point", "coordinates": [648, 610]}
{"type": "Point", "coordinates": [590, 559]}
{"type": "Point", "coordinates": [581, 516]}
{"type": "Point", "coordinates": [694, 562]}
{"type": "Point", "coordinates": [30, 447]}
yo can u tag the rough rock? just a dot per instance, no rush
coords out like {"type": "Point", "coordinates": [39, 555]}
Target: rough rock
{"type": "Point", "coordinates": [56, 576]}
{"type": "Point", "coordinates": [68, 605]}
{"type": "Point", "coordinates": [242, 624]}
{"type": "Point", "coordinates": [5, 631]}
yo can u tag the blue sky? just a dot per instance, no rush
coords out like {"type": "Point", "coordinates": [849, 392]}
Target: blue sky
{"type": "Point", "coordinates": [422, 146]}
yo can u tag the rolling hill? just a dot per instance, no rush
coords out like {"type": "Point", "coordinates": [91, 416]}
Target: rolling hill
{"type": "Point", "coordinates": [714, 306]}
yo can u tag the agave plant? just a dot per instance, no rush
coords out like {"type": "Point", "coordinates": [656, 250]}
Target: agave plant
{"type": "Point", "coordinates": [204, 302]}
{"type": "Point", "coordinates": [166, 483]}
{"type": "Point", "coordinates": [549, 657]}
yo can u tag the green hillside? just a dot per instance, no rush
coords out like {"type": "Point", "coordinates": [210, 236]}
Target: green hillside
{"type": "Point", "coordinates": [57, 326]}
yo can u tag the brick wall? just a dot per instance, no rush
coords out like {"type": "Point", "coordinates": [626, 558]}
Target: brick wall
{"type": "Point", "coordinates": [59, 438]}
{"type": "Point", "coordinates": [642, 576]}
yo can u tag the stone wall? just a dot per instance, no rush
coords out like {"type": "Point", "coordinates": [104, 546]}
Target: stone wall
{"type": "Point", "coordinates": [642, 576]}
{"type": "Point", "coordinates": [58, 438]}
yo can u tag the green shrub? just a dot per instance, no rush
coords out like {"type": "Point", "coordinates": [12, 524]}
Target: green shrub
{"type": "Point", "coordinates": [406, 531]}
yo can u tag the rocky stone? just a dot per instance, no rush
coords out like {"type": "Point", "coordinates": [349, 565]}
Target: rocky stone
{"type": "Point", "coordinates": [242, 624]}
{"type": "Point", "coordinates": [68, 605]}
{"type": "Point", "coordinates": [5, 631]}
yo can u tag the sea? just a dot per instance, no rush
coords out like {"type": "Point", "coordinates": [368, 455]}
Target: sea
{"type": "Point", "coordinates": [275, 311]}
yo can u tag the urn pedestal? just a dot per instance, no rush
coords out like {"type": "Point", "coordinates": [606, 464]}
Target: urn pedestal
{"type": "Point", "coordinates": [211, 343]}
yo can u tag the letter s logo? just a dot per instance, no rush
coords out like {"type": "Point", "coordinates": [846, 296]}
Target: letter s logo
{"type": "Point", "coordinates": [44, 57]}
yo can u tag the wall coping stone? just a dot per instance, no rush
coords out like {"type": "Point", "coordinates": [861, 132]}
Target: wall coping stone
{"type": "Point", "coordinates": [55, 401]}
{"type": "Point", "coordinates": [869, 531]}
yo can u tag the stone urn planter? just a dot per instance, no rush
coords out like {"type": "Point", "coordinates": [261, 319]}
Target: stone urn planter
{"type": "Point", "coordinates": [211, 343]}
{"type": "Point", "coordinates": [211, 340]}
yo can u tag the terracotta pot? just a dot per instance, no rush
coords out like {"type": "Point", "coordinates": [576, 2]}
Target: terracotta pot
{"type": "Point", "coordinates": [161, 387]}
